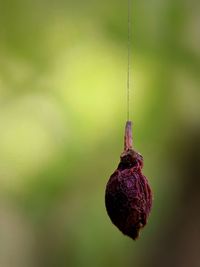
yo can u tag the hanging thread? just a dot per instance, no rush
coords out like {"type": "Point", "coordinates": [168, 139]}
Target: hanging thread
{"type": "Point", "coordinates": [128, 66]}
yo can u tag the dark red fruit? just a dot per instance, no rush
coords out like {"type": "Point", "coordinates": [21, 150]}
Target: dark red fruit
{"type": "Point", "coordinates": [128, 195]}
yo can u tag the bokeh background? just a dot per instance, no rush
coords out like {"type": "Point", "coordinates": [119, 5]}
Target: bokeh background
{"type": "Point", "coordinates": [62, 115]}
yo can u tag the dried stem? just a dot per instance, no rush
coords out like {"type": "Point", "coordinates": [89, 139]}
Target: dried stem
{"type": "Point", "coordinates": [128, 136]}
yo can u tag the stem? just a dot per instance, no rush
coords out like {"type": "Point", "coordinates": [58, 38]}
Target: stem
{"type": "Point", "coordinates": [128, 136]}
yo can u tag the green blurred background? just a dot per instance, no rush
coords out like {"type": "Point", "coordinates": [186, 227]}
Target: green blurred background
{"type": "Point", "coordinates": [62, 116]}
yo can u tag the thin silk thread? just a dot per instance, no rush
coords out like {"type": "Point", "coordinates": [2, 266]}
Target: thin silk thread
{"type": "Point", "coordinates": [128, 67]}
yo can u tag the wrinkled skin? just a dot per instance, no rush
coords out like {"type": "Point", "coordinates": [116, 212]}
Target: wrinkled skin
{"type": "Point", "coordinates": [128, 195]}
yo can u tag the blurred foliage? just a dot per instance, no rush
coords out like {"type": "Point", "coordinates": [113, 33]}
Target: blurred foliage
{"type": "Point", "coordinates": [62, 115]}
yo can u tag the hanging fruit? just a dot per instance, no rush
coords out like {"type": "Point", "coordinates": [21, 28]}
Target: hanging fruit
{"type": "Point", "coordinates": [128, 196]}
